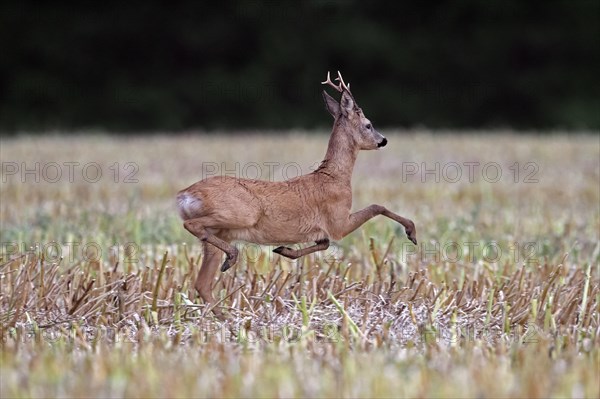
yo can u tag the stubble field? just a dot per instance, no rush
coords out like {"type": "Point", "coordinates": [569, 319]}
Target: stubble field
{"type": "Point", "coordinates": [501, 298]}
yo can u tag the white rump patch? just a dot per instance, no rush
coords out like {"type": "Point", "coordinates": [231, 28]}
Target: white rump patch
{"type": "Point", "coordinates": [189, 206]}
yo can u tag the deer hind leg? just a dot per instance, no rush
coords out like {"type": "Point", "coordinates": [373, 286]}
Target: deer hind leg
{"type": "Point", "coordinates": [210, 262]}
{"type": "Point", "coordinates": [196, 227]}
{"type": "Point", "coordinates": [320, 245]}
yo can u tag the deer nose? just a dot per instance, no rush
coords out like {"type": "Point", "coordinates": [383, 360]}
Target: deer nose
{"type": "Point", "coordinates": [382, 143]}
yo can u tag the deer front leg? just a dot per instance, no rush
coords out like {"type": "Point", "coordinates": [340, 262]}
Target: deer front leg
{"type": "Point", "coordinates": [320, 245]}
{"type": "Point", "coordinates": [358, 218]}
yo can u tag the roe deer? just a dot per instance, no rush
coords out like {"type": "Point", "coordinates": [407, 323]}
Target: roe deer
{"type": "Point", "coordinates": [310, 208]}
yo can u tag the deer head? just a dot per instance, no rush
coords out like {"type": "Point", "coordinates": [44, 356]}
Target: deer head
{"type": "Point", "coordinates": [349, 116]}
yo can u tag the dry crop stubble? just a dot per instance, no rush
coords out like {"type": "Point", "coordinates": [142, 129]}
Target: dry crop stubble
{"type": "Point", "coordinates": [98, 309]}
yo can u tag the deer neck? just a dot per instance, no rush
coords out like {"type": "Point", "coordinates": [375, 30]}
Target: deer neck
{"type": "Point", "coordinates": [340, 156]}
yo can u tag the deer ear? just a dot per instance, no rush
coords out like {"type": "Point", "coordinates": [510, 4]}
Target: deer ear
{"type": "Point", "coordinates": [347, 104]}
{"type": "Point", "coordinates": [332, 106]}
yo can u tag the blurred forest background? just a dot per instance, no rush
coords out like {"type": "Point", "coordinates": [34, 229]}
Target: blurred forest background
{"type": "Point", "coordinates": [141, 66]}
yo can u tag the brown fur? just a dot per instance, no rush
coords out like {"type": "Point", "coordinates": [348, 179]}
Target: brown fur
{"type": "Point", "coordinates": [314, 207]}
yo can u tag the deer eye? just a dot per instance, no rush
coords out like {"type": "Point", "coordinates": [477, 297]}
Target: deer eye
{"type": "Point", "coordinates": [368, 126]}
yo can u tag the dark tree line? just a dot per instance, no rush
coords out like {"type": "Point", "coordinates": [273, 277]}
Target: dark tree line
{"type": "Point", "coordinates": [138, 66]}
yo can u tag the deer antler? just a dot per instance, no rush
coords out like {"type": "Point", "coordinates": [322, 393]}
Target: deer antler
{"type": "Point", "coordinates": [341, 80]}
{"type": "Point", "coordinates": [339, 87]}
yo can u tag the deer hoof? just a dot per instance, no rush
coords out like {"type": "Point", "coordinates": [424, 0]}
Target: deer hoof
{"type": "Point", "coordinates": [279, 250]}
{"type": "Point", "coordinates": [411, 232]}
{"type": "Point", "coordinates": [412, 236]}
{"type": "Point", "coordinates": [287, 252]}
{"type": "Point", "coordinates": [230, 259]}
{"type": "Point", "coordinates": [226, 265]}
